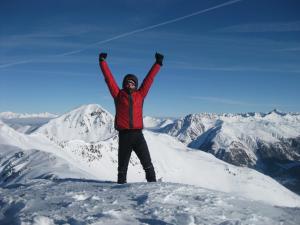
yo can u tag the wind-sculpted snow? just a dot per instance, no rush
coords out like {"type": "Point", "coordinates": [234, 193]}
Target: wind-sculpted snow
{"type": "Point", "coordinates": [91, 202]}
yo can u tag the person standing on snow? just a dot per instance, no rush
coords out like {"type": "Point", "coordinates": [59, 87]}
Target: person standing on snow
{"type": "Point", "coordinates": [129, 117]}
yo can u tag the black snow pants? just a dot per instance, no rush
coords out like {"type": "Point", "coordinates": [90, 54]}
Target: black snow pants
{"type": "Point", "coordinates": [133, 140]}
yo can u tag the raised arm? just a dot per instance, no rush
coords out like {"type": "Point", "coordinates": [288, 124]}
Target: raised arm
{"type": "Point", "coordinates": [147, 82]}
{"type": "Point", "coordinates": [109, 78]}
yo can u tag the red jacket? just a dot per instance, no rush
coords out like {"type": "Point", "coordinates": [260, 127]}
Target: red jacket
{"type": "Point", "coordinates": [129, 106]}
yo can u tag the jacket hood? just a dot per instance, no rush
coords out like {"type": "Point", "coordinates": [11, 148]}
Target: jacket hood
{"type": "Point", "coordinates": [130, 77]}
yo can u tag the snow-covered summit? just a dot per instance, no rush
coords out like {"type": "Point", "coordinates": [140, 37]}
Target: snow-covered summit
{"type": "Point", "coordinates": [89, 123]}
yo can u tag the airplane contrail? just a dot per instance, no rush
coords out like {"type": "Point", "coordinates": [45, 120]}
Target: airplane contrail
{"type": "Point", "coordinates": [133, 32]}
{"type": "Point", "coordinates": [16, 63]}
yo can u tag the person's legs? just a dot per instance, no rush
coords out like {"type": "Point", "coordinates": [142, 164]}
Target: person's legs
{"type": "Point", "coordinates": [140, 148]}
{"type": "Point", "coordinates": [124, 152]}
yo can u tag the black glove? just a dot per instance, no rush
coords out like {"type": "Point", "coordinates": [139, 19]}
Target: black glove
{"type": "Point", "coordinates": [102, 56]}
{"type": "Point", "coordinates": [159, 58]}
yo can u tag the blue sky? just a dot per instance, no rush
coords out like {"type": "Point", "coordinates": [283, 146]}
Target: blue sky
{"type": "Point", "coordinates": [243, 57]}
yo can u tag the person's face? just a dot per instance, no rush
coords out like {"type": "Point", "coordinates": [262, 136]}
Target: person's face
{"type": "Point", "coordinates": [130, 85]}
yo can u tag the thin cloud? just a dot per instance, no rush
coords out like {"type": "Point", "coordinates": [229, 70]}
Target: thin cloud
{"type": "Point", "coordinates": [263, 27]}
{"type": "Point", "coordinates": [15, 63]}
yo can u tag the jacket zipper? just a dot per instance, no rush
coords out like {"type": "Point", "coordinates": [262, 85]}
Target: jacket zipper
{"type": "Point", "coordinates": [130, 111]}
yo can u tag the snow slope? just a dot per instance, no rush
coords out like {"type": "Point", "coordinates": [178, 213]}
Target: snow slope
{"type": "Point", "coordinates": [21, 166]}
{"type": "Point", "coordinates": [92, 202]}
{"type": "Point", "coordinates": [24, 157]}
{"type": "Point", "coordinates": [174, 162]}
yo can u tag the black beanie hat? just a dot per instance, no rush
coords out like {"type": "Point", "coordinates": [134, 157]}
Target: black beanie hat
{"type": "Point", "coordinates": [130, 77]}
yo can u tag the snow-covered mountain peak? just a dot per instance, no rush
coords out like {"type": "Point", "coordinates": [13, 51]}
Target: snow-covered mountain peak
{"type": "Point", "coordinates": [276, 111]}
{"type": "Point", "coordinates": [188, 128]}
{"type": "Point", "coordinates": [92, 111]}
{"type": "Point", "coordinates": [89, 123]}
{"type": "Point", "coordinates": [87, 108]}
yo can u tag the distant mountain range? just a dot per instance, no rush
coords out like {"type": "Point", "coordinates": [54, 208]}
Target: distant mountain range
{"type": "Point", "coordinates": [24, 122]}
{"type": "Point", "coordinates": [268, 142]}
